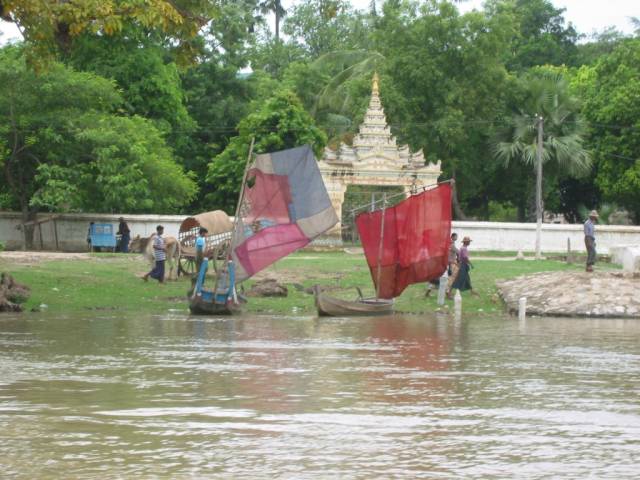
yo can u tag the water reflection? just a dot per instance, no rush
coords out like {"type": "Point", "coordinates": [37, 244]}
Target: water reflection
{"type": "Point", "coordinates": [260, 397]}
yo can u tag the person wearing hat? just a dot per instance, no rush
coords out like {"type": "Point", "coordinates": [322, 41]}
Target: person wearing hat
{"type": "Point", "coordinates": [125, 235]}
{"type": "Point", "coordinates": [590, 239]}
{"type": "Point", "coordinates": [201, 245]}
{"type": "Point", "coordinates": [463, 279]}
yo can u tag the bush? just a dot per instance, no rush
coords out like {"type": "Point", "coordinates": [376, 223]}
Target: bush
{"type": "Point", "coordinates": [502, 212]}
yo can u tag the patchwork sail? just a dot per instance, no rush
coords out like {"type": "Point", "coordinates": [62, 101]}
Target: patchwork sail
{"type": "Point", "coordinates": [284, 206]}
{"type": "Point", "coordinates": [409, 242]}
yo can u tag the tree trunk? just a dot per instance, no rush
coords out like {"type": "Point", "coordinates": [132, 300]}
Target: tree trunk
{"type": "Point", "coordinates": [457, 210]}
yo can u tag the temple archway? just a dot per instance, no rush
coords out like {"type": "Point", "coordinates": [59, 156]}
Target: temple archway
{"type": "Point", "coordinates": [374, 159]}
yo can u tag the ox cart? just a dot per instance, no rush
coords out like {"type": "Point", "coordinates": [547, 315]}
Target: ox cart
{"type": "Point", "coordinates": [218, 238]}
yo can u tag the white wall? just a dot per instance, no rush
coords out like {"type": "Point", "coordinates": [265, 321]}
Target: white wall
{"type": "Point", "coordinates": [72, 229]}
{"type": "Point", "coordinates": [72, 233]}
{"type": "Point", "coordinates": [522, 236]}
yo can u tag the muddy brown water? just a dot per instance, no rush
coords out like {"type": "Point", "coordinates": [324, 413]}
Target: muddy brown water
{"type": "Point", "coordinates": [101, 397]}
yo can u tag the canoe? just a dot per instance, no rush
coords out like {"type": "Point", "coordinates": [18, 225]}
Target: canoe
{"type": "Point", "coordinates": [336, 307]}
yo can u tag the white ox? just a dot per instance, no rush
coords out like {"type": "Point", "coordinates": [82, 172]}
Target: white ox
{"type": "Point", "coordinates": [145, 246]}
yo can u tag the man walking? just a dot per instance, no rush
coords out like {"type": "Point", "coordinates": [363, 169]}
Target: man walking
{"type": "Point", "coordinates": [160, 255]}
{"type": "Point", "coordinates": [590, 239]}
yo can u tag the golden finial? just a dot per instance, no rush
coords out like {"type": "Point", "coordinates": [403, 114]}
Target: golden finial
{"type": "Point", "coordinates": [374, 88]}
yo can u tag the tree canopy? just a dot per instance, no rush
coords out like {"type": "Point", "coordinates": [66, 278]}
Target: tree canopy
{"type": "Point", "coordinates": [181, 86]}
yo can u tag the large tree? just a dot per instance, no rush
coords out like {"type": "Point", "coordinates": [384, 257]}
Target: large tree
{"type": "Point", "coordinates": [443, 87]}
{"type": "Point", "coordinates": [64, 147]}
{"type": "Point", "coordinates": [542, 36]}
{"type": "Point", "coordinates": [545, 127]}
{"type": "Point", "coordinates": [611, 92]}
{"type": "Point", "coordinates": [52, 26]}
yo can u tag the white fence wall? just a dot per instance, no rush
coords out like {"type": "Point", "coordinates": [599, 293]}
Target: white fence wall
{"type": "Point", "coordinates": [522, 236]}
{"type": "Point", "coordinates": [72, 233]}
{"type": "Point", "coordinates": [72, 229]}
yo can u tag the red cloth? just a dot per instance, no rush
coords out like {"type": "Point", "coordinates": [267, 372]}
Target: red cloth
{"type": "Point", "coordinates": [416, 238]}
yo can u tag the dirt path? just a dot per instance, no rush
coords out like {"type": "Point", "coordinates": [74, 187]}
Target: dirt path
{"type": "Point", "coordinates": [33, 258]}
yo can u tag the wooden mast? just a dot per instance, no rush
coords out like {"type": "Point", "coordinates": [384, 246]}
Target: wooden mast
{"type": "Point", "coordinates": [381, 245]}
{"type": "Point", "coordinates": [235, 218]}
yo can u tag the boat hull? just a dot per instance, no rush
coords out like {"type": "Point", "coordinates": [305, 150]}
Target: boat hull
{"type": "Point", "coordinates": [198, 306]}
{"type": "Point", "coordinates": [336, 307]}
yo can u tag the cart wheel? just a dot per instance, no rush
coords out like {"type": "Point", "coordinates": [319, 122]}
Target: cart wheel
{"type": "Point", "coordinates": [187, 265]}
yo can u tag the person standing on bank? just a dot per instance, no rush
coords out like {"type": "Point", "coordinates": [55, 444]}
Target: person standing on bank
{"type": "Point", "coordinates": [201, 245]}
{"type": "Point", "coordinates": [125, 235]}
{"type": "Point", "coordinates": [160, 255]}
{"type": "Point", "coordinates": [452, 267]}
{"type": "Point", "coordinates": [463, 279]}
{"type": "Point", "coordinates": [590, 239]}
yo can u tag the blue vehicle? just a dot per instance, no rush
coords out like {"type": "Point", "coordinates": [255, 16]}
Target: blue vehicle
{"type": "Point", "coordinates": [102, 235]}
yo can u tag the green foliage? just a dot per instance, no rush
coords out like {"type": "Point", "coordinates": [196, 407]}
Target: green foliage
{"type": "Point", "coordinates": [324, 26]}
{"type": "Point", "coordinates": [150, 84]}
{"type": "Point", "coordinates": [444, 85]}
{"type": "Point", "coordinates": [127, 167]}
{"type": "Point", "coordinates": [612, 106]}
{"type": "Point", "coordinates": [278, 123]}
{"type": "Point", "coordinates": [217, 99]}
{"type": "Point", "coordinates": [502, 212]}
{"type": "Point", "coordinates": [63, 148]}
{"type": "Point", "coordinates": [546, 95]}
{"type": "Point", "coordinates": [542, 37]}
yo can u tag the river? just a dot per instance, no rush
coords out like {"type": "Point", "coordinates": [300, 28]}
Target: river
{"type": "Point", "coordinates": [102, 396]}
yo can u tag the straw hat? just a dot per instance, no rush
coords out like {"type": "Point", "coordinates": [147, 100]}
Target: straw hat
{"type": "Point", "coordinates": [466, 240]}
{"type": "Point", "coordinates": [594, 213]}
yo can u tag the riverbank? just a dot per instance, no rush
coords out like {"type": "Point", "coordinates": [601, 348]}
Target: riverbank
{"type": "Point", "coordinates": [110, 282]}
{"type": "Point", "coordinates": [606, 294]}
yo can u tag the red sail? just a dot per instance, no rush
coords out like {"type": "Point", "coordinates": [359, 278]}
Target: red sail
{"type": "Point", "coordinates": [415, 240]}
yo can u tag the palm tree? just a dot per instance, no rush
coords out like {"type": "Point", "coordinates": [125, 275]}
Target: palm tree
{"type": "Point", "coordinates": [275, 6]}
{"type": "Point", "coordinates": [547, 126]}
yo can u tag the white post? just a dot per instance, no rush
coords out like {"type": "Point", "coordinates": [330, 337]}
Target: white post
{"type": "Point", "coordinates": [522, 309]}
{"type": "Point", "coordinates": [442, 290]}
{"type": "Point", "coordinates": [457, 305]}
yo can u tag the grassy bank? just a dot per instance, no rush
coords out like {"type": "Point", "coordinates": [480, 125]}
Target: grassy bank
{"type": "Point", "coordinates": [107, 282]}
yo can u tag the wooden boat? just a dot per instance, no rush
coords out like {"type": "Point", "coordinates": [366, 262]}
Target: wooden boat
{"type": "Point", "coordinates": [404, 244]}
{"type": "Point", "coordinates": [336, 307]}
{"type": "Point", "coordinates": [218, 301]}
{"type": "Point", "coordinates": [201, 306]}
{"type": "Point", "coordinates": [283, 206]}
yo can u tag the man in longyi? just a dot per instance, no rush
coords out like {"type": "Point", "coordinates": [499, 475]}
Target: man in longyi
{"type": "Point", "coordinates": [160, 255]}
{"type": "Point", "coordinates": [463, 279]}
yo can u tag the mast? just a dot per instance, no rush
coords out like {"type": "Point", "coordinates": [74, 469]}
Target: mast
{"type": "Point", "coordinates": [235, 218]}
{"type": "Point", "coordinates": [241, 196]}
{"type": "Point", "coordinates": [381, 245]}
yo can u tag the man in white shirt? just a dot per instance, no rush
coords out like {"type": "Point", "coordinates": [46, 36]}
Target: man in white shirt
{"type": "Point", "coordinates": [159, 254]}
{"type": "Point", "coordinates": [590, 239]}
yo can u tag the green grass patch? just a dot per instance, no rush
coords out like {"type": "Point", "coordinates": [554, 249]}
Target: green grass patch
{"type": "Point", "coordinates": [109, 282]}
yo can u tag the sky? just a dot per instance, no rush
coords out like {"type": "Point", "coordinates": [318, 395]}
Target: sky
{"type": "Point", "coordinates": [586, 15]}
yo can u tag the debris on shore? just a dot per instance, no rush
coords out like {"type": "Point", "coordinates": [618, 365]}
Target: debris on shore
{"type": "Point", "coordinates": [269, 287]}
{"type": "Point", "coordinates": [12, 294]}
{"type": "Point", "coordinates": [611, 294]}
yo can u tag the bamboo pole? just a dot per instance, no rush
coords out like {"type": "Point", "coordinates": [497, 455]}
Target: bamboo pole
{"type": "Point", "coordinates": [371, 205]}
{"type": "Point", "coordinates": [235, 218]}
{"type": "Point", "coordinates": [381, 245]}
